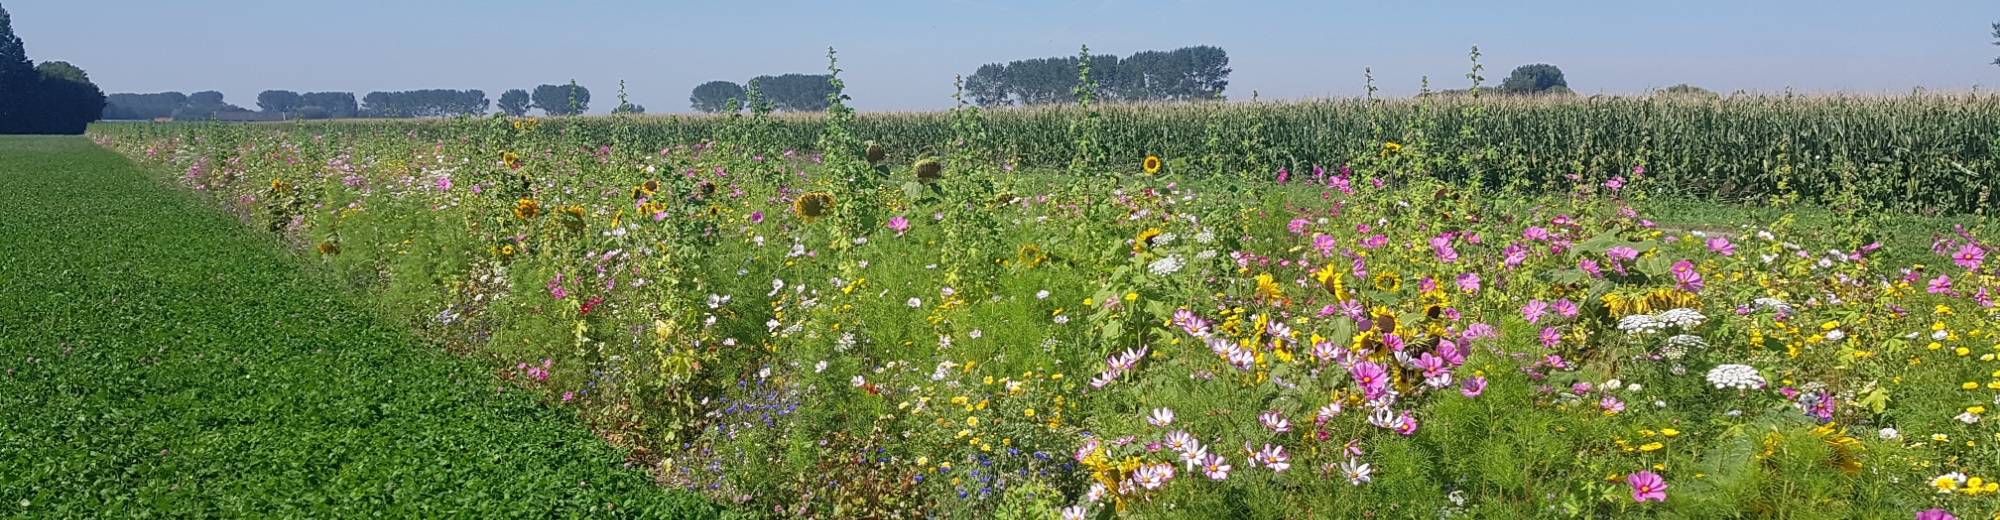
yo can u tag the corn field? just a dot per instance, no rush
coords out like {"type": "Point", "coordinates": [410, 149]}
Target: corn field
{"type": "Point", "coordinates": [1924, 153]}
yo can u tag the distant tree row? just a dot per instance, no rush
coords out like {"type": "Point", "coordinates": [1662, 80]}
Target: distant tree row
{"type": "Point", "coordinates": [1184, 74]}
{"type": "Point", "coordinates": [553, 99]}
{"type": "Point", "coordinates": [789, 93]}
{"type": "Point", "coordinates": [51, 98]}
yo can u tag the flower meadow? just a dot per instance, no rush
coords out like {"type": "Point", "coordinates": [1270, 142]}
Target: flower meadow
{"type": "Point", "coordinates": [825, 333]}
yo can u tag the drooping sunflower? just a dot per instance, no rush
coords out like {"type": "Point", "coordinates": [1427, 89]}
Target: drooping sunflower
{"type": "Point", "coordinates": [928, 170]}
{"type": "Point", "coordinates": [1390, 148]}
{"type": "Point", "coordinates": [328, 248]}
{"type": "Point", "coordinates": [527, 208]}
{"type": "Point", "coordinates": [1151, 164]}
{"type": "Point", "coordinates": [279, 186]}
{"type": "Point", "coordinates": [813, 205]}
{"type": "Point", "coordinates": [1144, 239]}
{"type": "Point", "coordinates": [513, 160]}
{"type": "Point", "coordinates": [1388, 282]}
{"type": "Point", "coordinates": [876, 153]}
{"type": "Point", "coordinates": [573, 217]}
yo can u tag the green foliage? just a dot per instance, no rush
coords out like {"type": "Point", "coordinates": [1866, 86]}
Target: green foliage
{"type": "Point", "coordinates": [562, 100]}
{"type": "Point", "coordinates": [515, 103]}
{"type": "Point", "coordinates": [279, 101]}
{"type": "Point", "coordinates": [52, 98]}
{"type": "Point", "coordinates": [713, 97]}
{"type": "Point", "coordinates": [199, 372]}
{"type": "Point", "coordinates": [798, 92]}
{"type": "Point", "coordinates": [425, 103]}
{"type": "Point", "coordinates": [1532, 79]}
{"type": "Point", "coordinates": [1186, 74]}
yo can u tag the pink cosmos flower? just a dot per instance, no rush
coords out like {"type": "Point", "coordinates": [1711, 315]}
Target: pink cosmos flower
{"type": "Point", "coordinates": [1535, 233]}
{"type": "Point", "coordinates": [1550, 337]}
{"type": "Point", "coordinates": [900, 225]}
{"type": "Point", "coordinates": [1215, 467]}
{"type": "Point", "coordinates": [1534, 311]}
{"type": "Point", "coordinates": [1473, 387]}
{"type": "Point", "coordinates": [1566, 308]}
{"type": "Point", "coordinates": [1647, 486]}
{"type": "Point", "coordinates": [1969, 256]}
{"type": "Point", "coordinates": [1721, 246]}
{"type": "Point", "coordinates": [1935, 514]}
{"type": "Point", "coordinates": [1621, 253]}
{"type": "Point", "coordinates": [1940, 285]}
{"type": "Point", "coordinates": [1611, 405]}
{"type": "Point", "coordinates": [1688, 279]}
{"type": "Point", "coordinates": [1275, 421]}
{"type": "Point", "coordinates": [1371, 377]}
{"type": "Point", "coordinates": [1469, 283]}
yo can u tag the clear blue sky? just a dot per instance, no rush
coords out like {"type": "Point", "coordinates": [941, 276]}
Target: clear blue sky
{"type": "Point", "coordinates": [902, 54]}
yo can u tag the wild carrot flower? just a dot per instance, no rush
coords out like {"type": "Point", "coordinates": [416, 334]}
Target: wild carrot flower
{"type": "Point", "coordinates": [1647, 486]}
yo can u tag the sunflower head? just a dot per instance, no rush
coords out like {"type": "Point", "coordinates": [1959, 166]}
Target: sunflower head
{"type": "Point", "coordinates": [1390, 149]}
{"type": "Point", "coordinates": [928, 170]}
{"type": "Point", "coordinates": [1332, 280]}
{"type": "Point", "coordinates": [572, 217]}
{"type": "Point", "coordinates": [506, 250]}
{"type": "Point", "coordinates": [1029, 256]}
{"type": "Point", "coordinates": [1388, 282]}
{"type": "Point", "coordinates": [876, 153]}
{"type": "Point", "coordinates": [1268, 288]}
{"type": "Point", "coordinates": [1151, 164]}
{"type": "Point", "coordinates": [1144, 239]}
{"type": "Point", "coordinates": [328, 248]}
{"type": "Point", "coordinates": [813, 205]}
{"type": "Point", "coordinates": [527, 208]}
{"type": "Point", "coordinates": [707, 188]}
{"type": "Point", "coordinates": [278, 185]}
{"type": "Point", "coordinates": [650, 186]}
{"type": "Point", "coordinates": [513, 160]}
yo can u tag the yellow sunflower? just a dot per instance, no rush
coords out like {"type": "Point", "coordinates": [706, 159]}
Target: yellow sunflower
{"type": "Point", "coordinates": [328, 248]}
{"type": "Point", "coordinates": [1390, 148]}
{"type": "Point", "coordinates": [1268, 289]}
{"type": "Point", "coordinates": [1332, 280]}
{"type": "Point", "coordinates": [1388, 282]}
{"type": "Point", "coordinates": [1144, 239]}
{"type": "Point", "coordinates": [513, 160]}
{"type": "Point", "coordinates": [527, 208]}
{"type": "Point", "coordinates": [1152, 164]}
{"type": "Point", "coordinates": [813, 205]}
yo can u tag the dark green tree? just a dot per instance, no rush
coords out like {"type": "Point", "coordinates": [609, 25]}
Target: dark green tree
{"type": "Point", "coordinates": [18, 78]}
{"type": "Point", "coordinates": [515, 102]}
{"type": "Point", "coordinates": [561, 100]}
{"type": "Point", "coordinates": [338, 105]}
{"type": "Point", "coordinates": [280, 101]}
{"type": "Point", "coordinates": [143, 106]}
{"type": "Point", "coordinates": [1184, 74]}
{"type": "Point", "coordinates": [797, 92]}
{"type": "Point", "coordinates": [713, 97]}
{"type": "Point", "coordinates": [1531, 79]}
{"type": "Point", "coordinates": [65, 100]}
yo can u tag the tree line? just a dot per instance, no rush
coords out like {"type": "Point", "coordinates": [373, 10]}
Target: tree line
{"type": "Point", "coordinates": [1184, 74]}
{"type": "Point", "coordinates": [53, 97]}
{"type": "Point", "coordinates": [787, 93]}
{"type": "Point", "coordinates": [551, 99]}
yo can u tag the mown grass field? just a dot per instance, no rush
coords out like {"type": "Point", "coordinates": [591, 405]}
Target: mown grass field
{"type": "Point", "coordinates": [161, 360]}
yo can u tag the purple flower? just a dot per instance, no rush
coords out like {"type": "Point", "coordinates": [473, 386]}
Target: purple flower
{"type": "Point", "coordinates": [1688, 278]}
{"type": "Point", "coordinates": [756, 217]}
{"type": "Point", "coordinates": [900, 225]}
{"type": "Point", "coordinates": [1473, 387]}
{"type": "Point", "coordinates": [1721, 246]}
{"type": "Point", "coordinates": [1621, 253]}
{"type": "Point", "coordinates": [1550, 337]}
{"type": "Point", "coordinates": [1615, 183]}
{"type": "Point", "coordinates": [1534, 311]}
{"type": "Point", "coordinates": [1566, 308]}
{"type": "Point", "coordinates": [1647, 486]}
{"type": "Point", "coordinates": [1969, 256]}
{"type": "Point", "coordinates": [1940, 285]}
{"type": "Point", "coordinates": [1535, 233]}
{"type": "Point", "coordinates": [1611, 405]}
{"type": "Point", "coordinates": [1371, 377]}
{"type": "Point", "coordinates": [1935, 514]}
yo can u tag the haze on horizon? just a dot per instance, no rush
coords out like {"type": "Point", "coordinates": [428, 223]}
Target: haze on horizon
{"type": "Point", "coordinates": [902, 55]}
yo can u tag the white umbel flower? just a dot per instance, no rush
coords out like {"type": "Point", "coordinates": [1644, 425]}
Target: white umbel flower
{"type": "Point", "coordinates": [1165, 266]}
{"type": "Point", "coordinates": [1740, 377]}
{"type": "Point", "coordinates": [1638, 324]}
{"type": "Point", "coordinates": [1683, 318]}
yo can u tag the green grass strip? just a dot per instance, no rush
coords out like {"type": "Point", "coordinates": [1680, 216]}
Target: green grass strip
{"type": "Point", "coordinates": [160, 360]}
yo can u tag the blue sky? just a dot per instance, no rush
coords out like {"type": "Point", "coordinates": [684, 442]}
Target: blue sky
{"type": "Point", "coordinates": [901, 55]}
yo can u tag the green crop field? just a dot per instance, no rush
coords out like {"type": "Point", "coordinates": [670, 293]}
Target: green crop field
{"type": "Point", "coordinates": [163, 361]}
